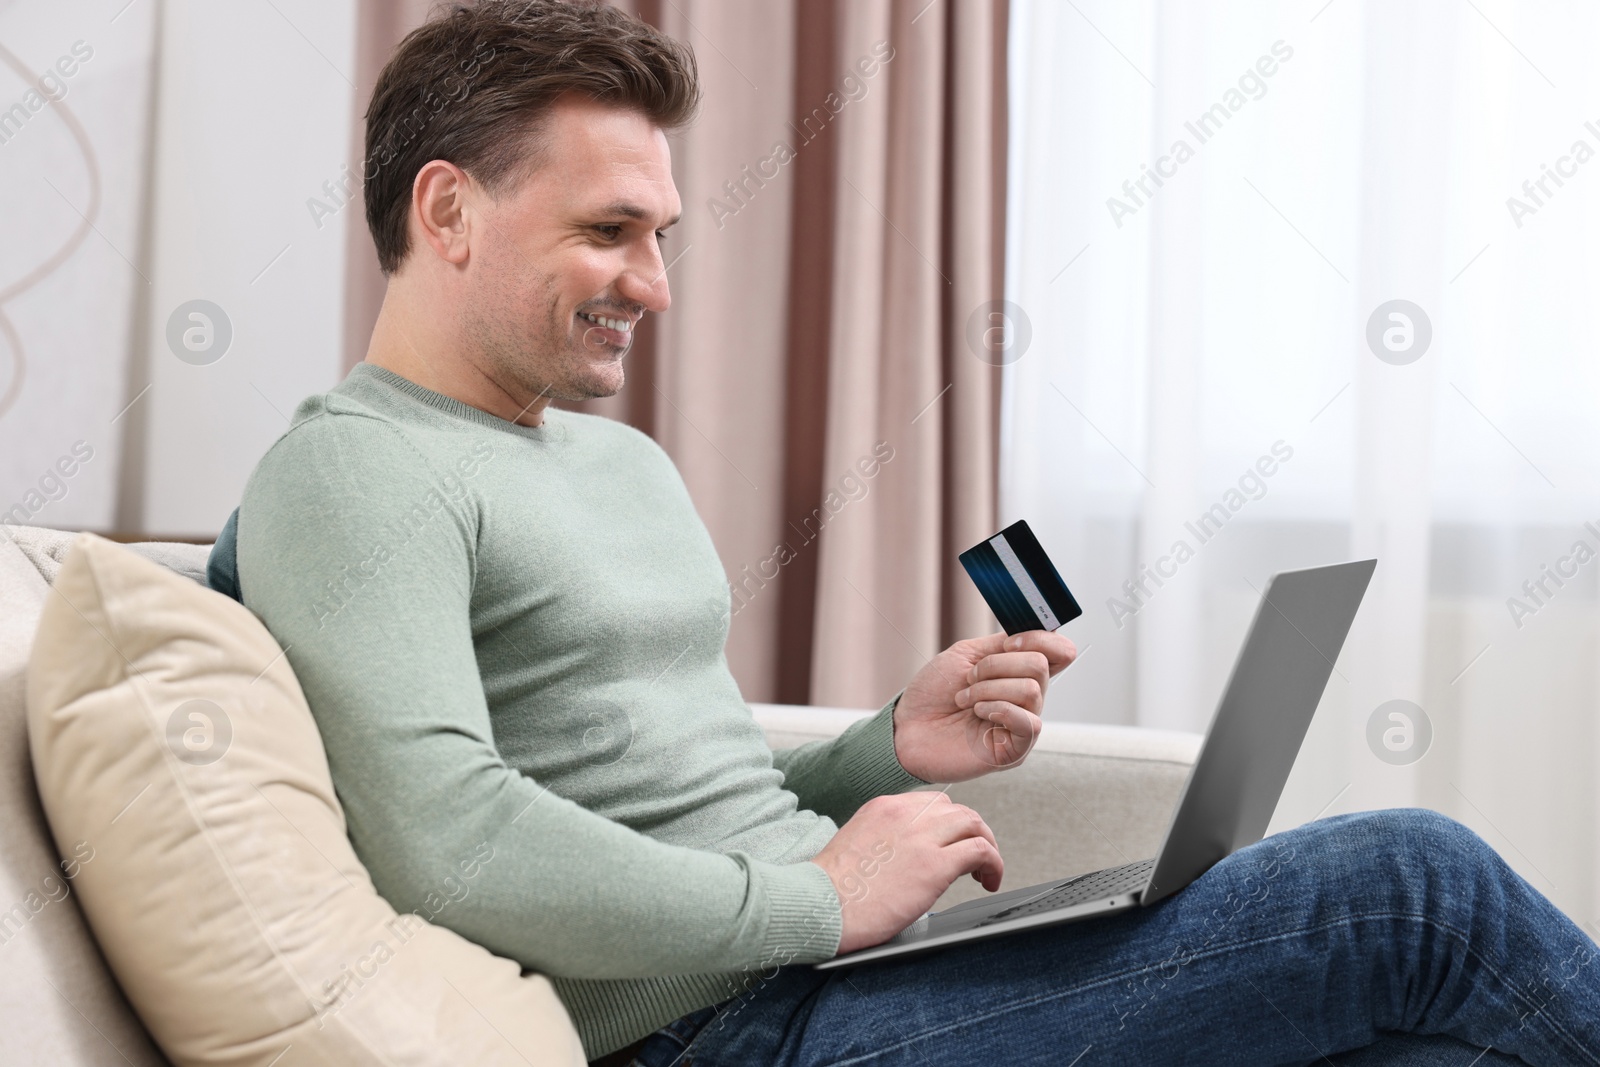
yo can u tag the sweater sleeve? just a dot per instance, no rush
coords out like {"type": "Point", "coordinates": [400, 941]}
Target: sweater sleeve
{"type": "Point", "coordinates": [359, 558]}
{"type": "Point", "coordinates": [837, 776]}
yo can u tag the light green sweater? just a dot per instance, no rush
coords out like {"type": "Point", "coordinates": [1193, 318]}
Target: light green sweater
{"type": "Point", "coordinates": [512, 641]}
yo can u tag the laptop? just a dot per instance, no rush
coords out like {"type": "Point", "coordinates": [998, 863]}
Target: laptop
{"type": "Point", "coordinates": [1233, 788]}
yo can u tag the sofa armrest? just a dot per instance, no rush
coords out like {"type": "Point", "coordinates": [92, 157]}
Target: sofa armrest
{"type": "Point", "coordinates": [47, 549]}
{"type": "Point", "coordinates": [1086, 797]}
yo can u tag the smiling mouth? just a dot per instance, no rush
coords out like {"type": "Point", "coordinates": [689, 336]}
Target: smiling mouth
{"type": "Point", "coordinates": [623, 327]}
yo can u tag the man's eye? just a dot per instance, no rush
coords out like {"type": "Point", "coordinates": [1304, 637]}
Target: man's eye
{"type": "Point", "coordinates": [661, 235]}
{"type": "Point", "coordinates": [610, 232]}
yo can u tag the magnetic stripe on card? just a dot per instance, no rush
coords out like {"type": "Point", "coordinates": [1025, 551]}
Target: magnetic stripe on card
{"type": "Point", "coordinates": [1024, 580]}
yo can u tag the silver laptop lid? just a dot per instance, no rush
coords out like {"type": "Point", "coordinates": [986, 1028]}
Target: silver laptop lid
{"type": "Point", "coordinates": [1258, 726]}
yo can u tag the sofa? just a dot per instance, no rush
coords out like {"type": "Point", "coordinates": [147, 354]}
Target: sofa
{"type": "Point", "coordinates": [1087, 797]}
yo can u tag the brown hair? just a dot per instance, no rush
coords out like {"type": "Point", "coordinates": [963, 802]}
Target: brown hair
{"type": "Point", "coordinates": [473, 85]}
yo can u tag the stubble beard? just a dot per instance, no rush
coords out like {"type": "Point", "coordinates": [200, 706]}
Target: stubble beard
{"type": "Point", "coordinates": [553, 361]}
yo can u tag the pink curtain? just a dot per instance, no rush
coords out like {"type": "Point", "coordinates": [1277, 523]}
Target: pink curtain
{"type": "Point", "coordinates": [843, 195]}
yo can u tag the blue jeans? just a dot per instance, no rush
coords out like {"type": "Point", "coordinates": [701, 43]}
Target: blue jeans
{"type": "Point", "coordinates": [1392, 937]}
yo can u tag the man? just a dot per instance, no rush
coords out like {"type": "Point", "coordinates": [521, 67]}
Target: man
{"type": "Point", "coordinates": [509, 624]}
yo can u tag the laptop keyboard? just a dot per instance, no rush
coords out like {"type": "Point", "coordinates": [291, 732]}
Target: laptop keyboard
{"type": "Point", "coordinates": [1093, 886]}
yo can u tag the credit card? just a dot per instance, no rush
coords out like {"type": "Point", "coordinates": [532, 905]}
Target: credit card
{"type": "Point", "coordinates": [1019, 582]}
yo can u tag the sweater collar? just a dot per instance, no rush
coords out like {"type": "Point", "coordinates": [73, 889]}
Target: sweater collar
{"type": "Point", "coordinates": [552, 429]}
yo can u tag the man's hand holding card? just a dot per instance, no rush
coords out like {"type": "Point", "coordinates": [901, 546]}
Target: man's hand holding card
{"type": "Point", "coordinates": [976, 706]}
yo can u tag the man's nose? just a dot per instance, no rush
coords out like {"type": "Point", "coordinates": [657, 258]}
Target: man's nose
{"type": "Point", "coordinates": [645, 282]}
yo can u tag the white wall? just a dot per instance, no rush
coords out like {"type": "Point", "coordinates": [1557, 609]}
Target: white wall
{"type": "Point", "coordinates": [206, 127]}
{"type": "Point", "coordinates": [72, 185]}
{"type": "Point", "coordinates": [253, 117]}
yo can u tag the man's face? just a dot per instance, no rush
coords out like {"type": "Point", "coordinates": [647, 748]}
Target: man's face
{"type": "Point", "coordinates": [572, 254]}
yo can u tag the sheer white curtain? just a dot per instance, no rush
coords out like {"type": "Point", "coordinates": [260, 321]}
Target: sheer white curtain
{"type": "Point", "coordinates": [1210, 203]}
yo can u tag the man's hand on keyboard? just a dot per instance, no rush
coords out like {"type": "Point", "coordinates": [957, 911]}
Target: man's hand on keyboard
{"type": "Point", "coordinates": [894, 858]}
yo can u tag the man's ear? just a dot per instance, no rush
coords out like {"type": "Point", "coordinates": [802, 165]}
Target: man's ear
{"type": "Point", "coordinates": [442, 210]}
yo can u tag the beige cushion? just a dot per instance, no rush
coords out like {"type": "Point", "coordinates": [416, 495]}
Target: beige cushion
{"type": "Point", "coordinates": [58, 1002]}
{"type": "Point", "coordinates": [171, 742]}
